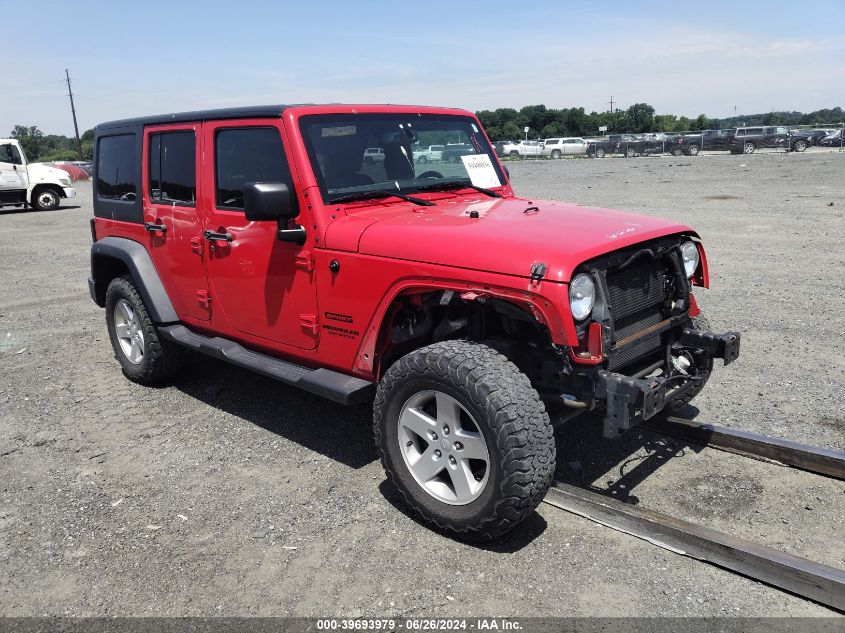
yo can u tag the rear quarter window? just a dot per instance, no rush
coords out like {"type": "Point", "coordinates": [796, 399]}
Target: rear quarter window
{"type": "Point", "coordinates": [116, 168]}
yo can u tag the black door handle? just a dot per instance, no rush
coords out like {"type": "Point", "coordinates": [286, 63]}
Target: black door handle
{"type": "Point", "coordinates": [211, 236]}
{"type": "Point", "coordinates": [155, 228]}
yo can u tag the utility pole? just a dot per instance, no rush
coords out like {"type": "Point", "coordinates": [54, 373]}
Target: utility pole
{"type": "Point", "coordinates": [73, 112]}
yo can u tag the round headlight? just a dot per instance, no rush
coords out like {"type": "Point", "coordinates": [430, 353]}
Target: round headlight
{"type": "Point", "coordinates": [690, 253]}
{"type": "Point", "coordinates": [582, 293]}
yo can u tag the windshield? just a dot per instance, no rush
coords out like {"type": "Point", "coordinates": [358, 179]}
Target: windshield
{"type": "Point", "coordinates": [358, 153]}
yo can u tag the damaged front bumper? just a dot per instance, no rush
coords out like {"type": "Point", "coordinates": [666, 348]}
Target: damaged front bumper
{"type": "Point", "coordinates": [632, 399]}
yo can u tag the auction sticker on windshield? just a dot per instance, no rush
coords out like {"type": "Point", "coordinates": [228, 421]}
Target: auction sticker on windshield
{"type": "Point", "coordinates": [481, 171]}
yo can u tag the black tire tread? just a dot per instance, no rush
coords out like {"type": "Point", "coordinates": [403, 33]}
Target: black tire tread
{"type": "Point", "coordinates": [516, 415]}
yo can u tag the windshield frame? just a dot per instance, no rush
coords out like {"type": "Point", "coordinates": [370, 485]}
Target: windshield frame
{"type": "Point", "coordinates": [353, 118]}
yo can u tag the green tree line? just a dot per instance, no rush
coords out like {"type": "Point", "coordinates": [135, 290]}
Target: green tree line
{"type": "Point", "coordinates": [40, 147]}
{"type": "Point", "coordinates": [508, 123]}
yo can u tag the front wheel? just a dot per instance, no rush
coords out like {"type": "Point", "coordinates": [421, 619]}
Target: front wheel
{"type": "Point", "coordinates": [693, 150]}
{"type": "Point", "coordinates": [556, 153]}
{"type": "Point", "coordinates": [464, 437]}
{"type": "Point", "coordinates": [46, 200]}
{"type": "Point", "coordinates": [630, 152]}
{"type": "Point", "coordinates": [749, 148]}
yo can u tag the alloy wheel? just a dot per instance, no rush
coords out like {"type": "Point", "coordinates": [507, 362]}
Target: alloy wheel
{"type": "Point", "coordinates": [443, 448]}
{"type": "Point", "coordinates": [130, 334]}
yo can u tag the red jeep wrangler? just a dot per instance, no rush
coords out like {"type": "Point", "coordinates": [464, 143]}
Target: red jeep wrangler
{"type": "Point", "coordinates": [260, 236]}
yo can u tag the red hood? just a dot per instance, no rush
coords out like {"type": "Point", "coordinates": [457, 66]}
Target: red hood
{"type": "Point", "coordinates": [508, 236]}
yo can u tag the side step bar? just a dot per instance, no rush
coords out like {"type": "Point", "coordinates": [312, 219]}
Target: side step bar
{"type": "Point", "coordinates": [329, 384]}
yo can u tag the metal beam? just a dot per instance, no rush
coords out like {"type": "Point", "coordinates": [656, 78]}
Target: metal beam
{"type": "Point", "coordinates": [822, 461]}
{"type": "Point", "coordinates": [800, 576]}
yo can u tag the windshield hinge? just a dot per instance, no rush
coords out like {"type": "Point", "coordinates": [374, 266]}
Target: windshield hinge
{"type": "Point", "coordinates": [538, 271]}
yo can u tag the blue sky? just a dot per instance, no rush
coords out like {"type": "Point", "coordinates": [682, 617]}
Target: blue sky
{"type": "Point", "coordinates": [135, 58]}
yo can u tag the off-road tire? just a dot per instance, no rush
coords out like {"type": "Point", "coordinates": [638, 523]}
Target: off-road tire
{"type": "Point", "coordinates": [162, 359]}
{"type": "Point", "coordinates": [698, 323]}
{"type": "Point", "coordinates": [46, 199]}
{"type": "Point", "coordinates": [509, 414]}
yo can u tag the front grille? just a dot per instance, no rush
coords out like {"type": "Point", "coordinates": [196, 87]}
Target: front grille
{"type": "Point", "coordinates": [636, 296]}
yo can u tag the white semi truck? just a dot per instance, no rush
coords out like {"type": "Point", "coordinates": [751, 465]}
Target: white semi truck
{"type": "Point", "coordinates": [34, 184]}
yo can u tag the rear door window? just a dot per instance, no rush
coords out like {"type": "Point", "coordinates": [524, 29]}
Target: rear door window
{"type": "Point", "coordinates": [173, 175]}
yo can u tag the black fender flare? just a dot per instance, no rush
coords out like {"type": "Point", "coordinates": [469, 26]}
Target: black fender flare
{"type": "Point", "coordinates": [137, 260]}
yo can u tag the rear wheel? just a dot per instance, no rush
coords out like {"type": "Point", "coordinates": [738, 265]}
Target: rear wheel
{"type": "Point", "coordinates": [677, 151]}
{"type": "Point", "coordinates": [799, 146]}
{"type": "Point", "coordinates": [600, 152]}
{"type": "Point", "coordinates": [514, 154]}
{"type": "Point", "coordinates": [143, 356]}
{"type": "Point", "coordinates": [422, 159]}
{"type": "Point", "coordinates": [630, 152]}
{"type": "Point", "coordinates": [45, 199]}
{"type": "Point", "coordinates": [464, 437]}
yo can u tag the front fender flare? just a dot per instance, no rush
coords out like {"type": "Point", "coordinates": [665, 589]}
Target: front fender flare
{"type": "Point", "coordinates": [137, 260]}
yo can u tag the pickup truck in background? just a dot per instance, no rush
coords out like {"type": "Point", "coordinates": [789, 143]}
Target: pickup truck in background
{"type": "Point", "coordinates": [35, 184]}
{"type": "Point", "coordinates": [613, 144]}
{"type": "Point", "coordinates": [521, 149]}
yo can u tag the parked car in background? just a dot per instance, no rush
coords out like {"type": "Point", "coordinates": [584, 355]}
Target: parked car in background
{"type": "Point", "coordinates": [373, 155]}
{"type": "Point", "coordinates": [613, 144]}
{"type": "Point", "coordinates": [452, 152]}
{"type": "Point", "coordinates": [748, 139]}
{"type": "Point", "coordinates": [832, 140]}
{"type": "Point", "coordinates": [717, 140]}
{"type": "Point", "coordinates": [428, 154]}
{"type": "Point", "coordinates": [521, 149]}
{"type": "Point", "coordinates": [558, 147]}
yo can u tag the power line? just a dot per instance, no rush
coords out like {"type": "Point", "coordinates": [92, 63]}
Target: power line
{"type": "Point", "coordinates": [73, 112]}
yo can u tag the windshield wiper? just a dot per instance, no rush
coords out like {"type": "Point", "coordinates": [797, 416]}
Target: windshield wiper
{"type": "Point", "coordinates": [460, 185]}
{"type": "Point", "coordinates": [380, 193]}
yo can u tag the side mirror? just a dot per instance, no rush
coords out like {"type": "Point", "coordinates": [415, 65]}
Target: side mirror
{"type": "Point", "coordinates": [269, 201]}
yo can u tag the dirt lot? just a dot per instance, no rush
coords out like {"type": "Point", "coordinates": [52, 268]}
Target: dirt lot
{"type": "Point", "coordinates": [228, 494]}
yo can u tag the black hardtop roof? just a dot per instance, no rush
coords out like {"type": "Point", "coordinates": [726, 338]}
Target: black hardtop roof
{"type": "Point", "coordinates": [246, 112]}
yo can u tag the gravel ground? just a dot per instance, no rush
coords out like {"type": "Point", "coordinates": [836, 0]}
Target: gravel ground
{"type": "Point", "coordinates": [228, 494]}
